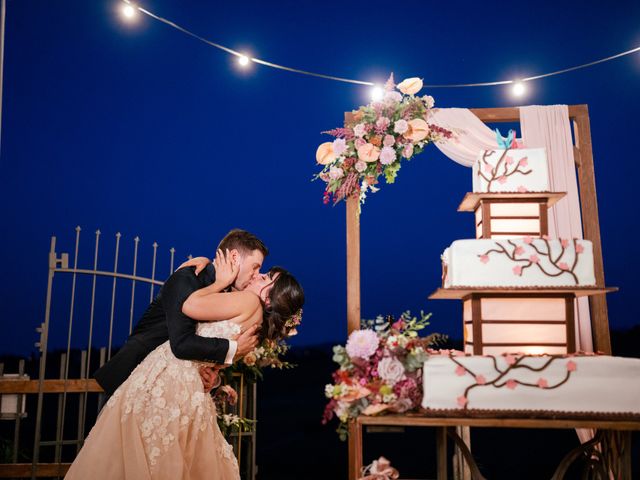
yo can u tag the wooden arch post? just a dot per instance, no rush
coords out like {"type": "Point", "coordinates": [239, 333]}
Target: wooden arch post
{"type": "Point", "coordinates": [583, 155]}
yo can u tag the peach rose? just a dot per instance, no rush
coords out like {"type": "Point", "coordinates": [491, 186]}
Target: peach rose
{"type": "Point", "coordinates": [368, 152]}
{"type": "Point", "coordinates": [410, 86]}
{"type": "Point", "coordinates": [324, 154]}
{"type": "Point", "coordinates": [250, 359]}
{"type": "Point", "coordinates": [418, 130]}
{"type": "Point", "coordinates": [376, 140]}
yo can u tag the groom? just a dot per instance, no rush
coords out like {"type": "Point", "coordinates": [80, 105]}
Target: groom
{"type": "Point", "coordinates": [163, 320]}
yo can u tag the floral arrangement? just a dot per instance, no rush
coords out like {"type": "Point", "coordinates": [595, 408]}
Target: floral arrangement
{"type": "Point", "coordinates": [380, 369]}
{"type": "Point", "coordinates": [375, 139]}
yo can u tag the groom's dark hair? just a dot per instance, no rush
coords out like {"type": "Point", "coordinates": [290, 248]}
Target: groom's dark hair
{"type": "Point", "coordinates": [243, 241]}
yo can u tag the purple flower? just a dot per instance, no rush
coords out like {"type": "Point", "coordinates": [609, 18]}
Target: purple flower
{"type": "Point", "coordinates": [387, 155]}
{"type": "Point", "coordinates": [388, 141]}
{"type": "Point", "coordinates": [339, 146]}
{"type": "Point", "coordinates": [362, 344]}
{"type": "Point", "coordinates": [361, 166]}
{"type": "Point", "coordinates": [401, 126]}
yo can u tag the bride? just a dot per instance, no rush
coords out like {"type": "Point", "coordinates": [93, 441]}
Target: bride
{"type": "Point", "coordinates": [160, 424]}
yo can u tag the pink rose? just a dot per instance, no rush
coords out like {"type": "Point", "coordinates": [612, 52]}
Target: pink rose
{"type": "Point", "coordinates": [335, 173]}
{"type": "Point", "coordinates": [407, 151]}
{"type": "Point", "coordinates": [401, 126]}
{"type": "Point", "coordinates": [383, 123]}
{"type": "Point", "coordinates": [388, 141]}
{"type": "Point", "coordinates": [360, 166]}
{"type": "Point", "coordinates": [523, 162]}
{"type": "Point", "coordinates": [391, 370]}
{"type": "Point", "coordinates": [511, 384]}
{"type": "Point", "coordinates": [571, 366]}
{"type": "Point", "coordinates": [359, 142]}
{"type": "Point", "coordinates": [359, 130]}
{"type": "Point", "coordinates": [484, 258]}
{"type": "Point", "coordinates": [368, 153]}
{"type": "Point", "coordinates": [387, 155]}
{"type": "Point", "coordinates": [517, 270]}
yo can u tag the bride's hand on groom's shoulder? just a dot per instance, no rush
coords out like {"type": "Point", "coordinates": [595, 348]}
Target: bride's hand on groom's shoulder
{"type": "Point", "coordinates": [199, 262]}
{"type": "Point", "coordinates": [226, 269]}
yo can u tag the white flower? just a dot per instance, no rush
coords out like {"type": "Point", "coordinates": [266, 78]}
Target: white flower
{"type": "Point", "coordinates": [428, 100]}
{"type": "Point", "coordinates": [335, 173]}
{"type": "Point", "coordinates": [389, 398]}
{"type": "Point", "coordinates": [401, 126]}
{"type": "Point", "coordinates": [339, 146]}
{"type": "Point", "coordinates": [387, 155]}
{"type": "Point", "coordinates": [328, 391]}
{"type": "Point", "coordinates": [391, 370]}
{"type": "Point", "coordinates": [361, 166]}
{"type": "Point", "coordinates": [359, 130]}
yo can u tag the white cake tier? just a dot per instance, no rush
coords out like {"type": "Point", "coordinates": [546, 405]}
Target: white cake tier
{"type": "Point", "coordinates": [515, 170]}
{"type": "Point", "coordinates": [573, 384]}
{"type": "Point", "coordinates": [518, 262]}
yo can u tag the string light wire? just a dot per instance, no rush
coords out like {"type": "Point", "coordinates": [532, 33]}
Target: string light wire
{"type": "Point", "coordinates": [362, 82]}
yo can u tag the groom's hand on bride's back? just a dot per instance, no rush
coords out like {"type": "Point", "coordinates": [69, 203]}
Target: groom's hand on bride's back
{"type": "Point", "coordinates": [247, 341]}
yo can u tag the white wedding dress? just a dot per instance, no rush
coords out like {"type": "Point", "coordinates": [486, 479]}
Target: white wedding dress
{"type": "Point", "coordinates": [159, 424]}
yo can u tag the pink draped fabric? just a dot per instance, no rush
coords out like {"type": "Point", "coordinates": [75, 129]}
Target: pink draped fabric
{"type": "Point", "coordinates": [542, 126]}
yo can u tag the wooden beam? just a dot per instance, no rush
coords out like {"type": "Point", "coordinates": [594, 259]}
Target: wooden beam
{"type": "Point", "coordinates": [591, 228]}
{"type": "Point", "coordinates": [353, 265]}
{"type": "Point", "coordinates": [512, 114]}
{"type": "Point", "coordinates": [24, 470]}
{"type": "Point", "coordinates": [50, 386]}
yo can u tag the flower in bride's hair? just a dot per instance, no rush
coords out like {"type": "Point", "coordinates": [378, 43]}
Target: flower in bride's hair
{"type": "Point", "coordinates": [362, 344]}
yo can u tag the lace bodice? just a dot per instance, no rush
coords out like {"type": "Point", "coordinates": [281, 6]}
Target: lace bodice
{"type": "Point", "coordinates": [221, 329]}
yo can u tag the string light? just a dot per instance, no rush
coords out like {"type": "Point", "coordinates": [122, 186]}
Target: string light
{"type": "Point", "coordinates": [518, 85]}
{"type": "Point", "coordinates": [377, 93]}
{"type": "Point", "coordinates": [518, 88]}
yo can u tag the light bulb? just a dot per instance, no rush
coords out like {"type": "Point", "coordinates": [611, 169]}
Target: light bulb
{"type": "Point", "coordinates": [519, 89]}
{"type": "Point", "coordinates": [377, 93]}
{"type": "Point", "coordinates": [243, 60]}
{"type": "Point", "coordinates": [129, 11]}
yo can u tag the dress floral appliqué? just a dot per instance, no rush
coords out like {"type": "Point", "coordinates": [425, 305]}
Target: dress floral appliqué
{"type": "Point", "coordinates": [160, 424]}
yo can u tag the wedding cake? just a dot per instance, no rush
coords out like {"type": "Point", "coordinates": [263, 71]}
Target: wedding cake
{"type": "Point", "coordinates": [518, 262]}
{"type": "Point", "coordinates": [517, 170]}
{"type": "Point", "coordinates": [573, 385]}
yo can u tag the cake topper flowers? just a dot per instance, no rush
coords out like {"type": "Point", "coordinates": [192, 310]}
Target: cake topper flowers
{"type": "Point", "coordinates": [374, 140]}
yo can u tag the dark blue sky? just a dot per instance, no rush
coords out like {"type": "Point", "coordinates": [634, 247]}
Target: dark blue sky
{"type": "Point", "coordinates": [143, 130]}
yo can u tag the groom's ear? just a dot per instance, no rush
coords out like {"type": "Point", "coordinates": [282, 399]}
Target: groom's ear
{"type": "Point", "coordinates": [235, 256]}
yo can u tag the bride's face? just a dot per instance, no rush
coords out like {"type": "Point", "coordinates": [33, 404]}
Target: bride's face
{"type": "Point", "coordinates": [249, 268]}
{"type": "Point", "coordinates": [262, 284]}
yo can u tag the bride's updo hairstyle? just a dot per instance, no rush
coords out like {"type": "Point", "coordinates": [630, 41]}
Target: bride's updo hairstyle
{"type": "Point", "coordinates": [285, 301]}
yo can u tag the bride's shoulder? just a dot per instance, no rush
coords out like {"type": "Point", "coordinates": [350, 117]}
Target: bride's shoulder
{"type": "Point", "coordinates": [247, 299]}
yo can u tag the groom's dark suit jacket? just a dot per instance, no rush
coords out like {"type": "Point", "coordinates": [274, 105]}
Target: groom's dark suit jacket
{"type": "Point", "coordinates": [163, 320]}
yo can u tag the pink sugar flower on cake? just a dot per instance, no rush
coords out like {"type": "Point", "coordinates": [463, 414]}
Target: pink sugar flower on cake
{"type": "Point", "coordinates": [519, 250]}
{"type": "Point", "coordinates": [462, 400]}
{"type": "Point", "coordinates": [571, 366]}
{"type": "Point", "coordinates": [508, 160]}
{"type": "Point", "coordinates": [480, 379]}
{"type": "Point", "coordinates": [523, 162]}
{"type": "Point", "coordinates": [528, 240]}
{"type": "Point", "coordinates": [510, 359]}
{"type": "Point", "coordinates": [564, 242]}
{"type": "Point", "coordinates": [563, 266]}
{"type": "Point", "coordinates": [502, 180]}
{"type": "Point", "coordinates": [534, 258]}
{"type": "Point", "coordinates": [460, 371]}
{"type": "Point", "coordinates": [511, 384]}
{"type": "Point", "coordinates": [522, 189]}
{"type": "Point", "coordinates": [517, 270]}
{"type": "Point", "coordinates": [579, 248]}
{"type": "Point", "coordinates": [484, 258]}
{"type": "Point", "coordinates": [488, 168]}
{"type": "Point", "coordinates": [542, 383]}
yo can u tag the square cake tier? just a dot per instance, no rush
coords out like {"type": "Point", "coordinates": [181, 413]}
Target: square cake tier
{"type": "Point", "coordinates": [514, 170]}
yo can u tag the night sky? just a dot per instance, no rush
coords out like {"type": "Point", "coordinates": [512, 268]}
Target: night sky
{"type": "Point", "coordinates": [139, 129]}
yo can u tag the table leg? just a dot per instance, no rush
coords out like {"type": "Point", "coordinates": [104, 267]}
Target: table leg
{"type": "Point", "coordinates": [441, 442]}
{"type": "Point", "coordinates": [355, 449]}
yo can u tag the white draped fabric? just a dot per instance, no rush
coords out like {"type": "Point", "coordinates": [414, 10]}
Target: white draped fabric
{"type": "Point", "coordinates": [542, 126]}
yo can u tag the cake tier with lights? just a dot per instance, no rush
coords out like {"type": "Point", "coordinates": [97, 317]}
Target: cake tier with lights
{"type": "Point", "coordinates": [544, 385]}
{"type": "Point", "coordinates": [518, 262]}
{"type": "Point", "coordinates": [511, 170]}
